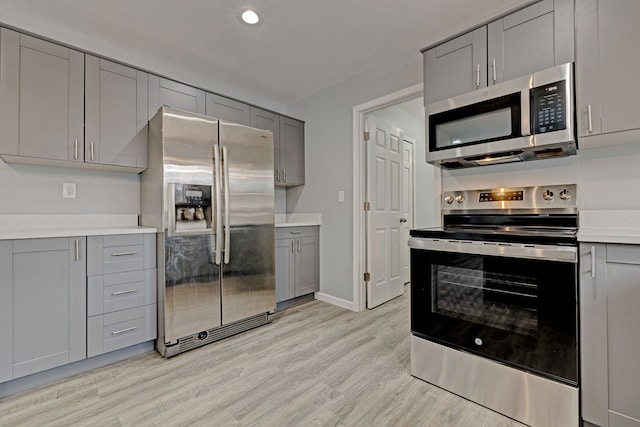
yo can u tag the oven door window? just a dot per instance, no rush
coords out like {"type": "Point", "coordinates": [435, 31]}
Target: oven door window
{"type": "Point", "coordinates": [486, 121]}
{"type": "Point", "coordinates": [517, 311]}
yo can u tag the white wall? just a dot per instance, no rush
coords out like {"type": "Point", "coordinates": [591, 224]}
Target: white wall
{"type": "Point", "coordinates": [328, 162]}
{"type": "Point", "coordinates": [29, 189]}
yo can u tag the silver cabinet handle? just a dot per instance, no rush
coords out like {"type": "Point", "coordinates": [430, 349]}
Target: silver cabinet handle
{"type": "Point", "coordinates": [292, 243]}
{"type": "Point", "coordinates": [91, 146]}
{"type": "Point", "coordinates": [124, 292]}
{"type": "Point", "coordinates": [589, 118]}
{"type": "Point", "coordinates": [298, 245]}
{"type": "Point", "coordinates": [593, 262]}
{"type": "Point", "coordinates": [478, 76]}
{"type": "Point", "coordinates": [75, 149]}
{"type": "Point", "coordinates": [123, 253]}
{"type": "Point", "coordinates": [284, 175]}
{"type": "Point", "coordinates": [227, 224]}
{"type": "Point", "coordinates": [124, 330]}
{"type": "Point", "coordinates": [493, 65]}
{"type": "Point", "coordinates": [218, 190]}
{"type": "Point", "coordinates": [278, 174]}
{"type": "Point", "coordinates": [77, 250]}
{"type": "Point", "coordinates": [294, 232]}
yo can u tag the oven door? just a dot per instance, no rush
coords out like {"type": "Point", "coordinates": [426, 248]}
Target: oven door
{"type": "Point", "coordinates": [518, 309]}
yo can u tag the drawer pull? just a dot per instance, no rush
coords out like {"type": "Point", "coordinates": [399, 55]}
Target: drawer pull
{"type": "Point", "coordinates": [124, 330]}
{"type": "Point", "coordinates": [295, 232]}
{"type": "Point", "coordinates": [123, 253]}
{"type": "Point", "coordinates": [124, 292]}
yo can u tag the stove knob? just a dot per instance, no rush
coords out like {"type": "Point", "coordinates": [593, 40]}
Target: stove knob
{"type": "Point", "coordinates": [459, 198]}
{"type": "Point", "coordinates": [565, 194]}
{"type": "Point", "coordinates": [449, 199]}
{"type": "Point", "coordinates": [547, 195]}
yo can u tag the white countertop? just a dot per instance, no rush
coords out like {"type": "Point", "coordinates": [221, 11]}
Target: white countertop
{"type": "Point", "coordinates": [298, 220]}
{"type": "Point", "coordinates": [65, 225]}
{"type": "Point", "coordinates": [610, 227]}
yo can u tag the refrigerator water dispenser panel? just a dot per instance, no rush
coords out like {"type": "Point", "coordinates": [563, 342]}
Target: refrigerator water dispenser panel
{"type": "Point", "coordinates": [192, 207]}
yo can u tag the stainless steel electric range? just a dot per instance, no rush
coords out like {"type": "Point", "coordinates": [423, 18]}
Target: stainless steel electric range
{"type": "Point", "coordinates": [494, 301]}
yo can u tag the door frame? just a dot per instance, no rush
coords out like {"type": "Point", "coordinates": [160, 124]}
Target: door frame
{"type": "Point", "coordinates": [359, 182]}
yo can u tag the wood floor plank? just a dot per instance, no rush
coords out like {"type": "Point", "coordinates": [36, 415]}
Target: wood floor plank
{"type": "Point", "coordinates": [314, 365]}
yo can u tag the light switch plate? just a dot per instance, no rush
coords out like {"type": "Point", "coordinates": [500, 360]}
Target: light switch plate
{"type": "Point", "coordinates": [68, 190]}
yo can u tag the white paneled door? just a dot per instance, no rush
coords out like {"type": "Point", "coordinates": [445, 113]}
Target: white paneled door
{"type": "Point", "coordinates": [385, 244]}
{"type": "Point", "coordinates": [406, 220]}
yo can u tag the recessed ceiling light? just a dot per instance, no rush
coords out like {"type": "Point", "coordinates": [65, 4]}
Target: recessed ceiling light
{"type": "Point", "coordinates": [250, 16]}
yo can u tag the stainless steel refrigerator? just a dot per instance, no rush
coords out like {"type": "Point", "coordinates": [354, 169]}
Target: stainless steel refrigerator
{"type": "Point", "coordinates": [209, 190]}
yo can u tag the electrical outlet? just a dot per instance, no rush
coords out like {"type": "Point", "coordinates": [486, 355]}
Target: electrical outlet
{"type": "Point", "coordinates": [68, 190]}
{"type": "Point", "coordinates": [341, 196]}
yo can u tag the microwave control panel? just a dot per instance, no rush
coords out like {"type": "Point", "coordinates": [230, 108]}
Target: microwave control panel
{"type": "Point", "coordinates": [548, 107]}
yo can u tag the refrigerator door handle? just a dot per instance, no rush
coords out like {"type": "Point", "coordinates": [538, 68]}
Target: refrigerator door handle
{"type": "Point", "coordinates": [227, 228]}
{"type": "Point", "coordinates": [218, 214]}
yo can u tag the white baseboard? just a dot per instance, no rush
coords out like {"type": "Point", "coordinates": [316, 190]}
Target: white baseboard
{"type": "Point", "coordinates": [334, 300]}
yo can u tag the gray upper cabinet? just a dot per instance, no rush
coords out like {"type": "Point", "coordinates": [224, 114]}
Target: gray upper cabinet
{"type": "Point", "coordinates": [227, 109]}
{"type": "Point", "coordinates": [531, 39]}
{"type": "Point", "coordinates": [41, 98]}
{"type": "Point", "coordinates": [607, 70]}
{"type": "Point", "coordinates": [292, 142]}
{"type": "Point", "coordinates": [173, 94]}
{"type": "Point", "coordinates": [455, 67]}
{"type": "Point", "coordinates": [115, 114]}
{"type": "Point", "coordinates": [609, 347]}
{"type": "Point", "coordinates": [267, 120]}
{"type": "Point", "coordinates": [45, 295]}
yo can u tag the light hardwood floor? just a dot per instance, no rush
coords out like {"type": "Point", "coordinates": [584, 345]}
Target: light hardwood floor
{"type": "Point", "coordinates": [314, 365]}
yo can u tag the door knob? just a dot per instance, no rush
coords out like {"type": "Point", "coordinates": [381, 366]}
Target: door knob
{"type": "Point", "coordinates": [403, 219]}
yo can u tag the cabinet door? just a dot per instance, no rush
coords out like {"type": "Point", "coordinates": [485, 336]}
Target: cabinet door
{"type": "Point", "coordinates": [532, 39]}
{"type": "Point", "coordinates": [623, 318]}
{"type": "Point", "coordinates": [284, 269]}
{"type": "Point", "coordinates": [6, 311]}
{"type": "Point", "coordinates": [267, 120]}
{"type": "Point", "coordinates": [455, 67]}
{"type": "Point", "coordinates": [292, 141]}
{"type": "Point", "coordinates": [49, 303]}
{"type": "Point", "coordinates": [115, 114]}
{"type": "Point", "coordinates": [227, 109]}
{"type": "Point", "coordinates": [608, 66]}
{"type": "Point", "coordinates": [41, 98]}
{"type": "Point", "coordinates": [173, 94]}
{"type": "Point", "coordinates": [593, 333]}
{"type": "Point", "coordinates": [307, 268]}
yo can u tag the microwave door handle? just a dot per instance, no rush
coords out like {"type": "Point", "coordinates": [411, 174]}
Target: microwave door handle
{"type": "Point", "coordinates": [218, 217]}
{"type": "Point", "coordinates": [525, 113]}
{"type": "Point", "coordinates": [478, 76]}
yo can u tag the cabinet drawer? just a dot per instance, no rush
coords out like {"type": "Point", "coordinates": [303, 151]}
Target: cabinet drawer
{"type": "Point", "coordinates": [623, 254]}
{"type": "Point", "coordinates": [109, 332]}
{"type": "Point", "coordinates": [119, 253]}
{"type": "Point", "coordinates": [120, 291]}
{"type": "Point", "coordinates": [295, 232]}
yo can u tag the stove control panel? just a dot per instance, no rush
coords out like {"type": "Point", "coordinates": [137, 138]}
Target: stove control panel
{"type": "Point", "coordinates": [538, 198]}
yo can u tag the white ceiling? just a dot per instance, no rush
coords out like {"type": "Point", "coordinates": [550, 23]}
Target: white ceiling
{"type": "Point", "coordinates": [302, 46]}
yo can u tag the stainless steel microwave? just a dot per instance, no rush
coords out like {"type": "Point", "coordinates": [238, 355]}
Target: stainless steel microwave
{"type": "Point", "coordinates": [528, 118]}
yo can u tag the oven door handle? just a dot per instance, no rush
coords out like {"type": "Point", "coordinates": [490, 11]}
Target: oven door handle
{"type": "Point", "coordinates": [512, 250]}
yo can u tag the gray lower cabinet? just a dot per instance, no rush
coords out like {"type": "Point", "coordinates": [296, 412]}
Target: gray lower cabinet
{"type": "Point", "coordinates": [607, 70]}
{"type": "Point", "coordinates": [121, 291]}
{"type": "Point", "coordinates": [531, 39]}
{"type": "Point", "coordinates": [173, 94]}
{"type": "Point", "coordinates": [610, 342]}
{"type": "Point", "coordinates": [297, 262]}
{"type": "Point", "coordinates": [43, 304]}
{"type": "Point", "coordinates": [227, 109]}
{"type": "Point", "coordinates": [41, 98]}
{"type": "Point", "coordinates": [115, 114]}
